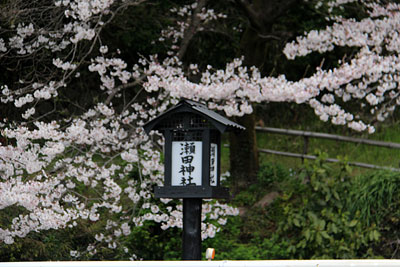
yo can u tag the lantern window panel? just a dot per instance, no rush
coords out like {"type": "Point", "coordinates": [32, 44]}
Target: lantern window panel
{"type": "Point", "coordinates": [197, 121]}
{"type": "Point", "coordinates": [174, 122]}
{"type": "Point", "coordinates": [187, 136]}
{"type": "Point", "coordinates": [185, 120]}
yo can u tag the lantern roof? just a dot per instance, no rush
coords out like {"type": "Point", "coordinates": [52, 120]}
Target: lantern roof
{"type": "Point", "coordinates": [189, 106]}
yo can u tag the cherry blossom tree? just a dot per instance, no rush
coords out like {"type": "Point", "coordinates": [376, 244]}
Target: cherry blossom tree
{"type": "Point", "coordinates": [98, 164]}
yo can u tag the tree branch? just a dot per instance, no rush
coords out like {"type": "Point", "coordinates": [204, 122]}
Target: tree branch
{"type": "Point", "coordinates": [191, 31]}
{"type": "Point", "coordinates": [261, 14]}
{"type": "Point", "coordinates": [123, 86]}
{"type": "Point", "coordinates": [251, 14]}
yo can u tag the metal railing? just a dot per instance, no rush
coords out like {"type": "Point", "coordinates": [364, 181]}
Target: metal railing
{"type": "Point", "coordinates": [306, 135]}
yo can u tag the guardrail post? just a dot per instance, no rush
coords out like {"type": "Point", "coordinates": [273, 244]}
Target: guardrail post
{"type": "Point", "coordinates": [305, 147]}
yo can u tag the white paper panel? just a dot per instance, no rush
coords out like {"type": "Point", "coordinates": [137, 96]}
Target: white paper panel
{"type": "Point", "coordinates": [186, 163]}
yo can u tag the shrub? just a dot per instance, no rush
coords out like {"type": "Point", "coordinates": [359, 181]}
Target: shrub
{"type": "Point", "coordinates": [313, 218]}
{"type": "Point", "coordinates": [376, 197]}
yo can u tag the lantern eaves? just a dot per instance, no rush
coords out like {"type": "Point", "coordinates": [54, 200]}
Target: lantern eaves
{"type": "Point", "coordinates": [221, 123]}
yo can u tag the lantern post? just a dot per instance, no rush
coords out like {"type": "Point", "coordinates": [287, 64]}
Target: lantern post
{"type": "Point", "coordinates": [192, 151]}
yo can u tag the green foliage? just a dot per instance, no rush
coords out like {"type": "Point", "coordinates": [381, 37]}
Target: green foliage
{"type": "Point", "coordinates": [270, 173]}
{"type": "Point", "coordinates": [322, 212]}
{"type": "Point", "coordinates": [152, 243]}
{"type": "Point", "coordinates": [232, 244]}
{"type": "Point", "coordinates": [267, 179]}
{"type": "Point", "coordinates": [47, 245]}
{"type": "Point", "coordinates": [376, 195]}
{"type": "Point", "coordinates": [314, 218]}
{"type": "Point", "coordinates": [149, 242]}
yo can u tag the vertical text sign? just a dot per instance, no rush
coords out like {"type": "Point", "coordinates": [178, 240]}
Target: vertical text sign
{"type": "Point", "coordinates": [213, 164]}
{"type": "Point", "coordinates": [186, 163]}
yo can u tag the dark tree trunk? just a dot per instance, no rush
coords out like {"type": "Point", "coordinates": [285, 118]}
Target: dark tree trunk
{"type": "Point", "coordinates": [243, 153]}
{"type": "Point", "coordinates": [261, 14]}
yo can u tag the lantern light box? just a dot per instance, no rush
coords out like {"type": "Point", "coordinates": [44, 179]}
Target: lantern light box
{"type": "Point", "coordinates": [192, 150]}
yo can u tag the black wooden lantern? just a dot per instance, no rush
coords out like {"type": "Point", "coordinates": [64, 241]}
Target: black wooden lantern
{"type": "Point", "coordinates": [192, 150]}
{"type": "Point", "coordinates": [192, 163]}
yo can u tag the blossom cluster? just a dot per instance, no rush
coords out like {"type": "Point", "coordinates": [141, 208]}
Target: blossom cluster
{"type": "Point", "coordinates": [372, 74]}
{"type": "Point", "coordinates": [116, 68]}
